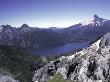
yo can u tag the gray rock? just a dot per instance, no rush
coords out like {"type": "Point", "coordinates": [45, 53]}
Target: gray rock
{"type": "Point", "coordinates": [89, 65]}
{"type": "Point", "coordinates": [6, 77]}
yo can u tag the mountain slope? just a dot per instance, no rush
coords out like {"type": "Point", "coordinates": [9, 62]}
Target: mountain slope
{"type": "Point", "coordinates": [89, 65]}
{"type": "Point", "coordinates": [30, 38]}
{"type": "Point", "coordinates": [19, 63]}
{"type": "Point", "coordinates": [91, 31]}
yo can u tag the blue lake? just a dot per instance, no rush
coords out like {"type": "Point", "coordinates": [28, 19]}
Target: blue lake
{"type": "Point", "coordinates": [61, 49]}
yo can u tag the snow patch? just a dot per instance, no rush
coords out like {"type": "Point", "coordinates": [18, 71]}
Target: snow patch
{"type": "Point", "coordinates": [97, 44]}
{"type": "Point", "coordinates": [70, 57]}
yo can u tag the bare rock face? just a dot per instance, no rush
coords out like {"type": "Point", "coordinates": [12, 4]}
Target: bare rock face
{"type": "Point", "coordinates": [89, 65]}
{"type": "Point", "coordinates": [6, 77]}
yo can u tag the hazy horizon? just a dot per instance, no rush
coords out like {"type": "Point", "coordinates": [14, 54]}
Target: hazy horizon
{"type": "Point", "coordinates": [51, 13]}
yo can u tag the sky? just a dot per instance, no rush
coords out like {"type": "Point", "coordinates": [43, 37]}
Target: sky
{"type": "Point", "coordinates": [51, 13]}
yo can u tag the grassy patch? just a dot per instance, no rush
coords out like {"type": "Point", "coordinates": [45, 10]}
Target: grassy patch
{"type": "Point", "coordinates": [59, 78]}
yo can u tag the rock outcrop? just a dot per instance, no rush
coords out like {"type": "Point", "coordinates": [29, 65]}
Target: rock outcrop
{"type": "Point", "coordinates": [6, 77]}
{"type": "Point", "coordinates": [89, 65]}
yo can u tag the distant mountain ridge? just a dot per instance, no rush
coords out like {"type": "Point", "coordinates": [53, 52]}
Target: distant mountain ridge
{"type": "Point", "coordinates": [95, 28]}
{"type": "Point", "coordinates": [34, 38]}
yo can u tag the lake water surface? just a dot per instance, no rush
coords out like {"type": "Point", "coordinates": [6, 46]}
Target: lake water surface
{"type": "Point", "coordinates": [62, 49]}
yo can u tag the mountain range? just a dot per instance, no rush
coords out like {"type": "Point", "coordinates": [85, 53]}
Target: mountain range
{"type": "Point", "coordinates": [91, 64]}
{"type": "Point", "coordinates": [33, 38]}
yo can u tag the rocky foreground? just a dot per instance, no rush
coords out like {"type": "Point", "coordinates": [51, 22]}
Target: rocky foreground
{"type": "Point", "coordinates": [6, 77]}
{"type": "Point", "coordinates": [89, 65]}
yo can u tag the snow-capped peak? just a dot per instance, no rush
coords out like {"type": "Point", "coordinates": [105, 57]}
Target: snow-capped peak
{"type": "Point", "coordinates": [96, 21]}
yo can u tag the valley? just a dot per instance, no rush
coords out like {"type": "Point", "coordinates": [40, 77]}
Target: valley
{"type": "Point", "coordinates": [39, 54]}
